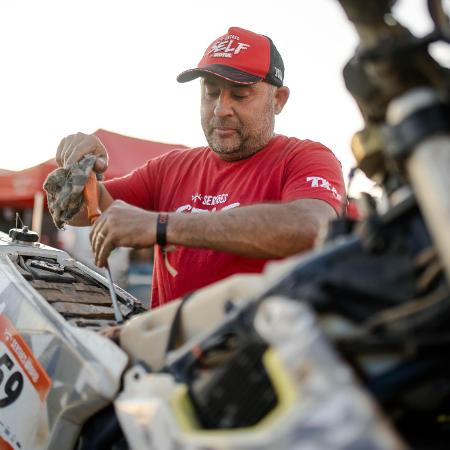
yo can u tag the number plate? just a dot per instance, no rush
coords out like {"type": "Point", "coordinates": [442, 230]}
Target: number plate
{"type": "Point", "coordinates": [24, 385]}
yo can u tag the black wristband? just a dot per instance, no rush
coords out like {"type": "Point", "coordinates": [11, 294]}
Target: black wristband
{"type": "Point", "coordinates": [161, 229]}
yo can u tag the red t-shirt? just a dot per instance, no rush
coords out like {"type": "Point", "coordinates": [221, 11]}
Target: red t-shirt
{"type": "Point", "coordinates": [198, 181]}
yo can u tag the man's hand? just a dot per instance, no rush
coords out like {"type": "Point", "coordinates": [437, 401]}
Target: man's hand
{"type": "Point", "coordinates": [73, 147]}
{"type": "Point", "coordinates": [255, 231]}
{"type": "Point", "coordinates": [112, 332]}
{"type": "Point", "coordinates": [122, 225]}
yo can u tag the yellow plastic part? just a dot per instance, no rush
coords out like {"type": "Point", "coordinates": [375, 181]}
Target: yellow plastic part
{"type": "Point", "coordinates": [283, 385]}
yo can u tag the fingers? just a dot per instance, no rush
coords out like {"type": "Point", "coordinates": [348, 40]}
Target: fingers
{"type": "Point", "coordinates": [73, 147]}
{"type": "Point", "coordinates": [101, 164]}
{"type": "Point", "coordinates": [122, 225]}
{"type": "Point", "coordinates": [102, 242]}
{"type": "Point", "coordinates": [112, 332]}
{"type": "Point", "coordinates": [59, 151]}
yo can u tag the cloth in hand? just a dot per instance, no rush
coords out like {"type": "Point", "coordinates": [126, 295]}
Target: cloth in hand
{"type": "Point", "coordinates": [64, 187]}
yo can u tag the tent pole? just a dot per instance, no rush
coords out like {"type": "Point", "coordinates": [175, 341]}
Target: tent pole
{"type": "Point", "coordinates": [38, 211]}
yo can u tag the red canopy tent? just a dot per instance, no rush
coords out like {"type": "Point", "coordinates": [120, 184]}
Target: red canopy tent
{"type": "Point", "coordinates": [18, 188]}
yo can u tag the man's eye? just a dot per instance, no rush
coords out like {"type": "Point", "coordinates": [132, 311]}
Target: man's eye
{"type": "Point", "coordinates": [240, 95]}
{"type": "Point", "coordinates": [212, 93]}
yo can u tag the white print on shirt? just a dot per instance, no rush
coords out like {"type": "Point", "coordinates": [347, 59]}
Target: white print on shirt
{"type": "Point", "coordinates": [207, 200]}
{"type": "Point", "coordinates": [323, 183]}
{"type": "Point", "coordinates": [210, 200]}
{"type": "Point", "coordinates": [193, 210]}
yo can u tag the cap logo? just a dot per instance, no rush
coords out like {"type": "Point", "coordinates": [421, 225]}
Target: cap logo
{"type": "Point", "coordinates": [278, 73]}
{"type": "Point", "coordinates": [225, 49]}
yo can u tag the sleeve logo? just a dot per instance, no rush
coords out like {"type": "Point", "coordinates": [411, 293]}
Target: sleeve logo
{"type": "Point", "coordinates": [319, 182]}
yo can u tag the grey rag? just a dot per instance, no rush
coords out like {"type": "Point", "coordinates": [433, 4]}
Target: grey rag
{"type": "Point", "coordinates": [64, 187]}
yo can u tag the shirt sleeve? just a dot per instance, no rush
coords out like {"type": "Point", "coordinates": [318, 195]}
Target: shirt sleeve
{"type": "Point", "coordinates": [136, 188]}
{"type": "Point", "coordinates": [314, 172]}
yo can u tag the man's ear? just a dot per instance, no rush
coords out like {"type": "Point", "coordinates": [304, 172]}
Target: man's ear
{"type": "Point", "coordinates": [281, 97]}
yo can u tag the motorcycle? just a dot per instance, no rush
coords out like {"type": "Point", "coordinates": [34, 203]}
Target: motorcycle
{"type": "Point", "coordinates": [374, 298]}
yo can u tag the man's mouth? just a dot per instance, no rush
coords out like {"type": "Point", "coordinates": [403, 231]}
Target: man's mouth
{"type": "Point", "coordinates": [224, 132]}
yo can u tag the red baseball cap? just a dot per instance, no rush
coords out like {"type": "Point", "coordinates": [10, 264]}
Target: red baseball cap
{"type": "Point", "coordinates": [240, 56]}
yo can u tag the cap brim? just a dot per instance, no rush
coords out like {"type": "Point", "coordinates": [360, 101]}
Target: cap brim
{"type": "Point", "coordinates": [225, 72]}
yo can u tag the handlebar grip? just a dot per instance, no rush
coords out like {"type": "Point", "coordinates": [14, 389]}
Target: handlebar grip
{"type": "Point", "coordinates": [90, 194]}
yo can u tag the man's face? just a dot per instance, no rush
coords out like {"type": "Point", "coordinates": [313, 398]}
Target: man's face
{"type": "Point", "coordinates": [238, 120]}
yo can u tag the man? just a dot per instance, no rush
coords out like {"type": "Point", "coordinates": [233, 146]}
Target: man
{"type": "Point", "coordinates": [249, 197]}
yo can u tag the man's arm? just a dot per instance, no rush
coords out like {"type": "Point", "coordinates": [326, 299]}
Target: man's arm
{"type": "Point", "coordinates": [256, 231]}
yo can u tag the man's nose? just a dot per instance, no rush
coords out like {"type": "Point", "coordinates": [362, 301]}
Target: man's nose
{"type": "Point", "coordinates": [223, 105]}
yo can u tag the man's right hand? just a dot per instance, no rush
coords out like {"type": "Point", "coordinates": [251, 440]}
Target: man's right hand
{"type": "Point", "coordinates": [73, 147]}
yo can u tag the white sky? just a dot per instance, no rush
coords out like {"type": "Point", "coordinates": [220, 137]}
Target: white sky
{"type": "Point", "coordinates": [80, 65]}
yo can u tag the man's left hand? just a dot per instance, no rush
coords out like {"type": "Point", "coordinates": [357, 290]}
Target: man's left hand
{"type": "Point", "coordinates": [122, 225]}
